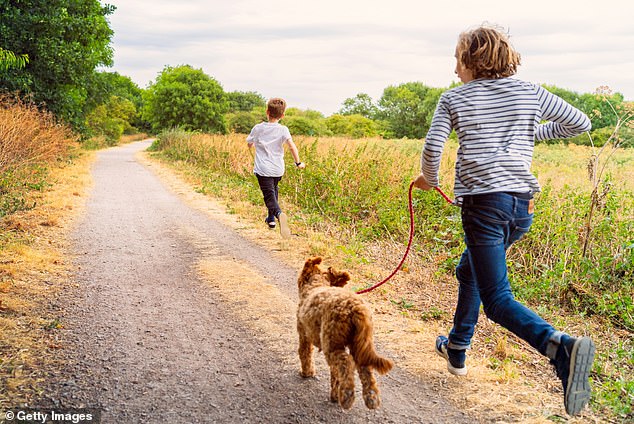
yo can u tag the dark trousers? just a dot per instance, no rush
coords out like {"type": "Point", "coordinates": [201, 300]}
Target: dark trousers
{"type": "Point", "coordinates": [268, 185]}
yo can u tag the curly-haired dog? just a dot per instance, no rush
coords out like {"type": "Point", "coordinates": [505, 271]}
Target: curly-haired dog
{"type": "Point", "coordinates": [334, 319]}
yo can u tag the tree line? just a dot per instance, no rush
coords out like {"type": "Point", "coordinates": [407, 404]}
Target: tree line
{"type": "Point", "coordinates": [58, 71]}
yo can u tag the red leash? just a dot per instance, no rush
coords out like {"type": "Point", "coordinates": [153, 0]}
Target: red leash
{"type": "Point", "coordinates": [411, 236]}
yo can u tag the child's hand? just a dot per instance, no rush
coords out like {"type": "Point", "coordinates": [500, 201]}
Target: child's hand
{"type": "Point", "coordinates": [301, 165]}
{"type": "Point", "coordinates": [421, 183]}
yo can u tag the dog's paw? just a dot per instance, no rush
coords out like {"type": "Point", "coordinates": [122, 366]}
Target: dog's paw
{"type": "Point", "coordinates": [372, 399]}
{"type": "Point", "coordinates": [346, 398]}
{"type": "Point", "coordinates": [307, 373]}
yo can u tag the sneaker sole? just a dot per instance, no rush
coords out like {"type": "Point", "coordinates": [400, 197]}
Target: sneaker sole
{"type": "Point", "coordinates": [284, 230]}
{"type": "Point", "coordinates": [460, 372]}
{"type": "Point", "coordinates": [578, 390]}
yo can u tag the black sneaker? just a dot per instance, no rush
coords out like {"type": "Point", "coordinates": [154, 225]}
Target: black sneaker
{"type": "Point", "coordinates": [573, 363]}
{"type": "Point", "coordinates": [270, 221]}
{"type": "Point", "coordinates": [455, 357]}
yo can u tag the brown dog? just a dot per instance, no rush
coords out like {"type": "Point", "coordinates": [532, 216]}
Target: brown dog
{"type": "Point", "coordinates": [334, 319]}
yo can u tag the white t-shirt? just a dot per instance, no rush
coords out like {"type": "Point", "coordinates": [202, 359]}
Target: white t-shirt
{"type": "Point", "coordinates": [269, 139]}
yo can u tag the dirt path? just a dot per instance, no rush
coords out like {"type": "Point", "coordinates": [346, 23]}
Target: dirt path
{"type": "Point", "coordinates": [162, 325]}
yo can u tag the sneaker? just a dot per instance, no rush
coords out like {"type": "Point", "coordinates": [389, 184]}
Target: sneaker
{"type": "Point", "coordinates": [455, 357]}
{"type": "Point", "coordinates": [271, 223]}
{"type": "Point", "coordinates": [284, 230]}
{"type": "Point", "coordinates": [573, 363]}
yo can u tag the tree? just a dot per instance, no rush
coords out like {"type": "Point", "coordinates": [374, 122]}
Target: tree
{"type": "Point", "coordinates": [245, 101]}
{"type": "Point", "coordinates": [105, 85]}
{"type": "Point", "coordinates": [65, 40]}
{"type": "Point", "coordinates": [402, 108]}
{"type": "Point", "coordinates": [185, 97]}
{"type": "Point", "coordinates": [361, 104]}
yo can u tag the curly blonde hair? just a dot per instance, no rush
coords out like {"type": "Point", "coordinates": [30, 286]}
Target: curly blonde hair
{"type": "Point", "coordinates": [487, 53]}
{"type": "Point", "coordinates": [276, 107]}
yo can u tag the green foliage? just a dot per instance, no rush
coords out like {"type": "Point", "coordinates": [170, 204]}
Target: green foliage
{"type": "Point", "coordinates": [358, 190]}
{"type": "Point", "coordinates": [9, 60]}
{"type": "Point", "coordinates": [600, 111]}
{"type": "Point", "coordinates": [65, 41]}
{"type": "Point", "coordinates": [243, 122]}
{"type": "Point", "coordinates": [361, 104]}
{"type": "Point", "coordinates": [112, 119]}
{"type": "Point", "coordinates": [302, 124]}
{"type": "Point", "coordinates": [105, 85]}
{"type": "Point", "coordinates": [188, 98]}
{"type": "Point", "coordinates": [245, 101]}
{"type": "Point", "coordinates": [406, 110]}
{"type": "Point", "coordinates": [549, 262]}
{"type": "Point", "coordinates": [354, 126]}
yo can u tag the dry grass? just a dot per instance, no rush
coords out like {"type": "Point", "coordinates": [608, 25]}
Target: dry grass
{"type": "Point", "coordinates": [518, 386]}
{"type": "Point", "coordinates": [33, 268]}
{"type": "Point", "coordinates": [29, 136]}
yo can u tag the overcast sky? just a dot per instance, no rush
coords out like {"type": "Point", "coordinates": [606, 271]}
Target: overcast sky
{"type": "Point", "coordinates": [317, 53]}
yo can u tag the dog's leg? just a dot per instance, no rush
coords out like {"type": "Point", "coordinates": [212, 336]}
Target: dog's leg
{"type": "Point", "coordinates": [371, 394]}
{"type": "Point", "coordinates": [342, 367]}
{"type": "Point", "coordinates": [305, 353]}
{"type": "Point", "coordinates": [334, 386]}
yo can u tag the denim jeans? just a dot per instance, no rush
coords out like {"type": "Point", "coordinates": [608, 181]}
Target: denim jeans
{"type": "Point", "coordinates": [270, 191]}
{"type": "Point", "coordinates": [491, 223]}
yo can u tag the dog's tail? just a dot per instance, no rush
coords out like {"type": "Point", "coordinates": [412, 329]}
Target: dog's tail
{"type": "Point", "coordinates": [362, 349]}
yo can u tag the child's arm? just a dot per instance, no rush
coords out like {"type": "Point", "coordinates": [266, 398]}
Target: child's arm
{"type": "Point", "coordinates": [434, 143]}
{"type": "Point", "coordinates": [564, 120]}
{"type": "Point", "coordinates": [295, 153]}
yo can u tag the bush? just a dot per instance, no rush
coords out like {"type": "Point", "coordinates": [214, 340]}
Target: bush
{"type": "Point", "coordinates": [243, 122]}
{"type": "Point", "coordinates": [112, 119]}
{"type": "Point", "coordinates": [354, 126]}
{"type": "Point", "coordinates": [301, 125]}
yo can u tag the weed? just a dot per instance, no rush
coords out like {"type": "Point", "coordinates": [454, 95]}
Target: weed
{"type": "Point", "coordinates": [433, 314]}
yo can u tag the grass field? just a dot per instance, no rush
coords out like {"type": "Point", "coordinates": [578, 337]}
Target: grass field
{"type": "Point", "coordinates": [356, 192]}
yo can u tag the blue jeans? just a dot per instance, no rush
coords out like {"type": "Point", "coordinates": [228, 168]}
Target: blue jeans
{"type": "Point", "coordinates": [491, 223]}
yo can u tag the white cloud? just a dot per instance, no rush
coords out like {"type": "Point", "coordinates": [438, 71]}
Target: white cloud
{"type": "Point", "coordinates": [316, 54]}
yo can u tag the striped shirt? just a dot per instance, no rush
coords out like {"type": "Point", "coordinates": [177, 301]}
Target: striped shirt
{"type": "Point", "coordinates": [497, 122]}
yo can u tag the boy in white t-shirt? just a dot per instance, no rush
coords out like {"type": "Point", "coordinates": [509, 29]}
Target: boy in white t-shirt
{"type": "Point", "coordinates": [269, 139]}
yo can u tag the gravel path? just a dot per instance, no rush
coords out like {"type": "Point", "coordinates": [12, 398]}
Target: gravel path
{"type": "Point", "coordinates": [146, 341]}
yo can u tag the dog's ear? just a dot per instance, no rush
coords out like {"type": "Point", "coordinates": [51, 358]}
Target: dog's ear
{"type": "Point", "coordinates": [312, 262]}
{"type": "Point", "coordinates": [310, 266]}
{"type": "Point", "coordinates": [337, 278]}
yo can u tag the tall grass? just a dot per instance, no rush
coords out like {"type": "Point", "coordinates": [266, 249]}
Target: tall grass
{"type": "Point", "coordinates": [30, 140]}
{"type": "Point", "coordinates": [359, 188]}
{"type": "Point", "coordinates": [356, 190]}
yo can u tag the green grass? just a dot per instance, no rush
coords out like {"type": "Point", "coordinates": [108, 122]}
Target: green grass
{"type": "Point", "coordinates": [355, 189]}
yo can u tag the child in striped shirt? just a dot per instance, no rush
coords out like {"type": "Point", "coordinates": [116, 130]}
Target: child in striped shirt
{"type": "Point", "coordinates": [497, 119]}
